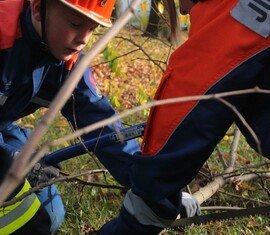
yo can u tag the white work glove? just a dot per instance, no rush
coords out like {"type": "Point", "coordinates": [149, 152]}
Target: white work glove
{"type": "Point", "coordinates": [190, 206]}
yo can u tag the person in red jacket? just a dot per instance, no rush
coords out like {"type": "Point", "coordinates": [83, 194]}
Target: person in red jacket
{"type": "Point", "coordinates": [228, 49]}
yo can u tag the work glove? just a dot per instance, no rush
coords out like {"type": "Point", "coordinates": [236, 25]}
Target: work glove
{"type": "Point", "coordinates": [42, 173]}
{"type": "Point", "coordinates": [190, 206]}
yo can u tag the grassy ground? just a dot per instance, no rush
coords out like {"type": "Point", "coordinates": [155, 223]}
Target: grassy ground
{"type": "Point", "coordinates": [129, 81]}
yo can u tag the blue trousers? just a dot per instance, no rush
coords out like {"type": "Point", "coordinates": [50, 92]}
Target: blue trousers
{"type": "Point", "coordinates": [53, 204]}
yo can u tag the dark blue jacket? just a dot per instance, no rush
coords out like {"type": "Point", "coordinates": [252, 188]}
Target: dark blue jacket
{"type": "Point", "coordinates": [30, 78]}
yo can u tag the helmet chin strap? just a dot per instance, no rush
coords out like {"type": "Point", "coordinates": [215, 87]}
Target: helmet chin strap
{"type": "Point", "coordinates": [43, 23]}
{"type": "Point", "coordinates": [44, 45]}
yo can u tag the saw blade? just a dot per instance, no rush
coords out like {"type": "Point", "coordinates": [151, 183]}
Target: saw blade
{"type": "Point", "coordinates": [203, 219]}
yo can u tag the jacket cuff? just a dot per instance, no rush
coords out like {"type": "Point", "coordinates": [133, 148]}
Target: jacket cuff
{"type": "Point", "coordinates": [127, 224]}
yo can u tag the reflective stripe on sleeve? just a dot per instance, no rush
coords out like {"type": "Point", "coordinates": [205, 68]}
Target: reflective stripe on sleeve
{"type": "Point", "coordinates": [15, 216]}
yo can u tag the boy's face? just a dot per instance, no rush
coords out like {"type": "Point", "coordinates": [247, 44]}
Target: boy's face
{"type": "Point", "coordinates": [67, 31]}
{"type": "Point", "coordinates": [185, 6]}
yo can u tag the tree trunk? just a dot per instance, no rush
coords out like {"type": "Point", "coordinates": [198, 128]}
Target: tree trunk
{"type": "Point", "coordinates": [152, 27]}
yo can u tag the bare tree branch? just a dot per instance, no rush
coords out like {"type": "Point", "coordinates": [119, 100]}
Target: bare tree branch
{"type": "Point", "coordinates": [251, 176]}
{"type": "Point", "coordinates": [211, 188]}
{"type": "Point", "coordinates": [142, 50]}
{"type": "Point", "coordinates": [234, 146]}
{"type": "Point", "coordinates": [221, 158]}
{"type": "Point", "coordinates": [117, 57]}
{"type": "Point", "coordinates": [64, 179]}
{"type": "Point", "coordinates": [242, 119]}
{"type": "Point", "coordinates": [150, 104]}
{"type": "Point", "coordinates": [245, 198]}
{"type": "Point", "coordinates": [214, 208]}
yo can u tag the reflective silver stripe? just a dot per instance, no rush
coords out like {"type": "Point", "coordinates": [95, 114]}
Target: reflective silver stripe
{"type": "Point", "coordinates": [144, 215]}
{"type": "Point", "coordinates": [255, 14]}
{"type": "Point", "coordinates": [40, 101]}
{"type": "Point", "coordinates": [3, 99]}
{"type": "Point", "coordinates": [14, 214]}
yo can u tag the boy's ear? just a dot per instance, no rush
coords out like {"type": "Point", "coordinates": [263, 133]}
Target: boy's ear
{"type": "Point", "coordinates": [35, 8]}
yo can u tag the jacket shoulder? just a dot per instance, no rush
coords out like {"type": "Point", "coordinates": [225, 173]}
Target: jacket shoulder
{"type": "Point", "coordinates": [10, 11]}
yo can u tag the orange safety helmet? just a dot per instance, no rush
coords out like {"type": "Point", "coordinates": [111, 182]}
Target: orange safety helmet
{"type": "Point", "coordinates": [97, 10]}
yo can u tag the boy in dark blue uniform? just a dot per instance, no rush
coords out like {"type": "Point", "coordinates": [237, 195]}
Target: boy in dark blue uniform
{"type": "Point", "coordinates": [39, 44]}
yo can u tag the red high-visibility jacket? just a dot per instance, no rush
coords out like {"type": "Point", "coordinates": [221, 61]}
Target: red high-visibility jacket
{"type": "Point", "coordinates": [232, 44]}
{"type": "Point", "coordinates": [10, 14]}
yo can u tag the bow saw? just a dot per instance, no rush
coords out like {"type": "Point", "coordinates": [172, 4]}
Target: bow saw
{"type": "Point", "coordinates": [135, 132]}
{"type": "Point", "coordinates": [221, 216]}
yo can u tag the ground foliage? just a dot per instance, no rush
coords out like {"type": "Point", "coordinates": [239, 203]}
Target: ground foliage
{"type": "Point", "coordinates": [128, 72]}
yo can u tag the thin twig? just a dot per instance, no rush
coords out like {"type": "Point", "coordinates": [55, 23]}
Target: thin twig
{"type": "Point", "coordinates": [241, 169]}
{"type": "Point", "coordinates": [115, 58]}
{"type": "Point", "coordinates": [89, 183]}
{"type": "Point", "coordinates": [221, 158]}
{"type": "Point", "coordinates": [234, 146]}
{"type": "Point", "coordinates": [215, 208]}
{"type": "Point", "coordinates": [260, 176]}
{"type": "Point", "coordinates": [242, 119]}
{"type": "Point", "coordinates": [245, 198]}
{"type": "Point", "coordinates": [62, 179]}
{"type": "Point", "coordinates": [153, 37]}
{"type": "Point", "coordinates": [142, 50]}
{"type": "Point", "coordinates": [150, 104]}
{"type": "Point", "coordinates": [79, 137]}
{"type": "Point", "coordinates": [247, 176]}
{"type": "Point", "coordinates": [158, 61]}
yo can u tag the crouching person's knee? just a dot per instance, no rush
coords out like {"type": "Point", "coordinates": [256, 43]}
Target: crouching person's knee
{"type": "Point", "coordinates": [136, 217]}
{"type": "Point", "coordinates": [53, 204]}
{"type": "Point", "coordinates": [25, 216]}
{"type": "Point", "coordinates": [125, 223]}
{"type": "Point", "coordinates": [137, 207]}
